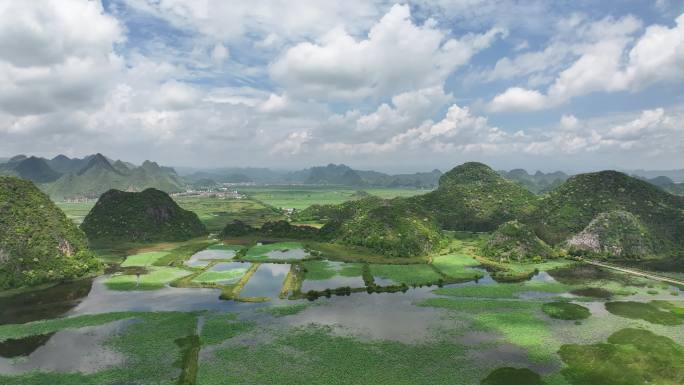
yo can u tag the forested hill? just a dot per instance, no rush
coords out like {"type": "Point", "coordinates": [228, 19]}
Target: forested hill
{"type": "Point", "coordinates": [38, 243]}
{"type": "Point", "coordinates": [147, 216]}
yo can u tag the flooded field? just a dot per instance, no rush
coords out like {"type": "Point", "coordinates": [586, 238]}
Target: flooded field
{"type": "Point", "coordinates": [97, 334]}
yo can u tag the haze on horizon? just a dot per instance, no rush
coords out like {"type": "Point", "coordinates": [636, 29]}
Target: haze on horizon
{"type": "Point", "coordinates": [392, 86]}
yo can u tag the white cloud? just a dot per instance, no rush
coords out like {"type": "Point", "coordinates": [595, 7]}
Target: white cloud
{"type": "Point", "coordinates": [56, 55]}
{"type": "Point", "coordinates": [396, 56]}
{"type": "Point", "coordinates": [607, 62]}
{"type": "Point", "coordinates": [569, 122]}
{"type": "Point", "coordinates": [658, 56]}
{"type": "Point", "coordinates": [518, 99]}
{"type": "Point", "coordinates": [219, 53]}
{"type": "Point", "coordinates": [174, 95]}
{"type": "Point", "coordinates": [287, 19]}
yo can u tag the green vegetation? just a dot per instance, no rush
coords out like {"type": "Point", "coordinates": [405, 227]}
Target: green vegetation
{"type": "Point", "coordinates": [474, 197]}
{"type": "Point", "coordinates": [630, 357]}
{"type": "Point", "coordinates": [592, 292]}
{"type": "Point", "coordinates": [96, 174]}
{"type": "Point", "coordinates": [613, 234]}
{"type": "Point", "coordinates": [571, 207]}
{"type": "Point", "coordinates": [147, 216]}
{"type": "Point", "coordinates": [516, 321]}
{"type": "Point", "coordinates": [219, 327]}
{"type": "Point", "coordinates": [539, 182]}
{"type": "Point", "coordinates": [233, 291]}
{"type": "Point", "coordinates": [143, 259]}
{"type": "Point", "coordinates": [322, 269]}
{"type": "Point", "coordinates": [156, 278]}
{"type": "Point", "coordinates": [291, 251]}
{"type": "Point", "coordinates": [219, 276]}
{"type": "Point", "coordinates": [76, 211]}
{"type": "Point", "coordinates": [514, 241]}
{"type": "Point", "coordinates": [512, 376]}
{"type": "Point", "coordinates": [650, 312]}
{"type": "Point", "coordinates": [412, 275]}
{"type": "Point", "coordinates": [217, 212]}
{"type": "Point", "coordinates": [507, 290]}
{"type": "Point", "coordinates": [177, 256]}
{"type": "Point", "coordinates": [38, 243]}
{"type": "Point", "coordinates": [323, 358]}
{"type": "Point", "coordinates": [394, 228]}
{"type": "Point", "coordinates": [565, 310]}
{"type": "Point", "coordinates": [301, 197]}
{"type": "Point", "coordinates": [32, 168]}
{"type": "Point", "coordinates": [456, 266]}
{"type": "Point", "coordinates": [49, 326]}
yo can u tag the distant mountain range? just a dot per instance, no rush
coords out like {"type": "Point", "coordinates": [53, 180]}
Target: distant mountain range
{"type": "Point", "coordinates": [538, 182]}
{"type": "Point", "coordinates": [88, 177]}
{"type": "Point", "coordinates": [666, 184]}
{"type": "Point", "coordinates": [677, 176]}
{"type": "Point", "coordinates": [68, 178]}
{"type": "Point", "coordinates": [332, 174]}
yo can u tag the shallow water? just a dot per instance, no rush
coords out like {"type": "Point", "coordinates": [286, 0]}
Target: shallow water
{"type": "Point", "coordinates": [103, 300]}
{"type": "Point", "coordinates": [227, 266]}
{"type": "Point", "coordinates": [266, 281]}
{"type": "Point", "coordinates": [377, 316]}
{"type": "Point", "coordinates": [43, 304]}
{"type": "Point", "coordinates": [332, 283]}
{"type": "Point", "coordinates": [391, 316]}
{"type": "Point", "coordinates": [288, 254]}
{"type": "Point", "coordinates": [202, 258]}
{"type": "Point", "coordinates": [70, 350]}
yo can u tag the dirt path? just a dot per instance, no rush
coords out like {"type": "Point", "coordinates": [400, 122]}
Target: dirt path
{"type": "Point", "coordinates": [636, 272]}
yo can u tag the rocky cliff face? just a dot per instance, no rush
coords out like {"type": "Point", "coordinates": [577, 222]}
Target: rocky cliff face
{"type": "Point", "coordinates": [617, 234]}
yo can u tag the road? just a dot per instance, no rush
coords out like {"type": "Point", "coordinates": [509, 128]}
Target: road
{"type": "Point", "coordinates": [637, 273]}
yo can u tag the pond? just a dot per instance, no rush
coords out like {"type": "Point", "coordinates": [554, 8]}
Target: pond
{"type": "Point", "coordinates": [267, 281]}
{"type": "Point", "coordinates": [79, 350]}
{"type": "Point", "coordinates": [204, 257]}
{"type": "Point", "coordinates": [223, 273]}
{"type": "Point", "coordinates": [288, 254]}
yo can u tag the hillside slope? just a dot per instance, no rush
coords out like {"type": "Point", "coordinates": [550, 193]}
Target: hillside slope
{"type": "Point", "coordinates": [571, 207]}
{"type": "Point", "coordinates": [474, 197]}
{"type": "Point", "coordinates": [613, 234]}
{"type": "Point", "coordinates": [397, 227]}
{"type": "Point", "coordinates": [38, 243]}
{"type": "Point", "coordinates": [99, 175]}
{"type": "Point", "coordinates": [147, 216]}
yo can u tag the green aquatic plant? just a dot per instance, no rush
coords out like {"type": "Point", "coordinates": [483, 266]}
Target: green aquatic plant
{"type": "Point", "coordinates": [414, 274]}
{"type": "Point", "coordinates": [156, 278]}
{"type": "Point", "coordinates": [646, 311]}
{"type": "Point", "coordinates": [565, 310]}
{"type": "Point", "coordinates": [512, 376]}
{"type": "Point", "coordinates": [219, 327]}
{"type": "Point", "coordinates": [457, 266]}
{"type": "Point", "coordinates": [630, 357]}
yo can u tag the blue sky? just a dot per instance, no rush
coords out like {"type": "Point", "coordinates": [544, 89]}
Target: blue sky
{"type": "Point", "coordinates": [570, 85]}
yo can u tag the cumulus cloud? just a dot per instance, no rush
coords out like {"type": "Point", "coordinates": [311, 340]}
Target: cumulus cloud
{"type": "Point", "coordinates": [612, 60]}
{"type": "Point", "coordinates": [396, 56]}
{"type": "Point", "coordinates": [56, 55]}
{"type": "Point", "coordinates": [518, 99]}
{"type": "Point", "coordinates": [295, 83]}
